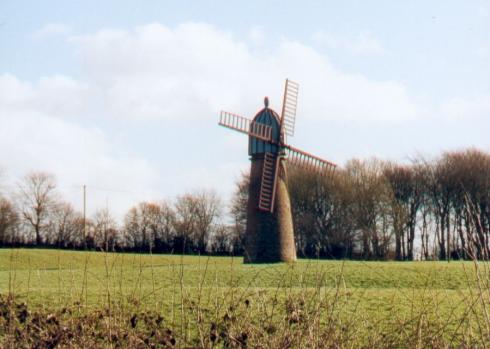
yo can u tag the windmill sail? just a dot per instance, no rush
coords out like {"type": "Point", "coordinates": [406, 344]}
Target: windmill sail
{"type": "Point", "coordinates": [270, 170]}
{"type": "Point", "coordinates": [308, 161]}
{"type": "Point", "coordinates": [289, 106]}
{"type": "Point", "coordinates": [247, 126]}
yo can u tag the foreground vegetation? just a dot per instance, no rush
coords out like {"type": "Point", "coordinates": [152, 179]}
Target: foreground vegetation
{"type": "Point", "coordinates": [85, 299]}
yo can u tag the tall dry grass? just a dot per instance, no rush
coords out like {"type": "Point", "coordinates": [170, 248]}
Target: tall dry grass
{"type": "Point", "coordinates": [295, 313]}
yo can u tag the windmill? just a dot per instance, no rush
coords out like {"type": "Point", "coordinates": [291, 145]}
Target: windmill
{"type": "Point", "coordinates": [269, 235]}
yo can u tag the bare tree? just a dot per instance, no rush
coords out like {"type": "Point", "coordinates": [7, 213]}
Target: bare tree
{"type": "Point", "coordinates": [150, 226]}
{"type": "Point", "coordinates": [164, 227]}
{"type": "Point", "coordinates": [222, 241]}
{"type": "Point", "coordinates": [105, 230]}
{"type": "Point", "coordinates": [66, 226]}
{"type": "Point", "coordinates": [371, 209]}
{"type": "Point", "coordinates": [468, 185]}
{"type": "Point", "coordinates": [185, 224]}
{"type": "Point", "coordinates": [238, 211]}
{"type": "Point", "coordinates": [407, 190]}
{"type": "Point", "coordinates": [207, 212]}
{"type": "Point", "coordinates": [324, 213]}
{"type": "Point", "coordinates": [37, 197]}
{"type": "Point", "coordinates": [148, 218]}
{"type": "Point", "coordinates": [132, 232]}
{"type": "Point", "coordinates": [196, 216]}
{"type": "Point", "coordinates": [9, 220]}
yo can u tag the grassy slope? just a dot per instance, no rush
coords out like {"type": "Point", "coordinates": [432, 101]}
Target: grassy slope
{"type": "Point", "coordinates": [367, 294]}
{"type": "Point", "coordinates": [50, 275]}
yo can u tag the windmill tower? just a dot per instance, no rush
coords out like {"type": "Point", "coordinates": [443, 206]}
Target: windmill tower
{"type": "Point", "coordinates": [270, 233]}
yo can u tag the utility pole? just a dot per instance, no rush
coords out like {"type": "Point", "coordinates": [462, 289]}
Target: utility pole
{"type": "Point", "coordinates": [84, 216]}
{"type": "Point", "coordinates": [106, 218]}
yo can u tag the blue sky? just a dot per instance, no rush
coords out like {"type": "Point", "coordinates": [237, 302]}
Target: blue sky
{"type": "Point", "coordinates": [123, 96]}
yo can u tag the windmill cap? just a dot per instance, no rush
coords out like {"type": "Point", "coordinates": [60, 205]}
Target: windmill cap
{"type": "Point", "coordinates": [266, 101]}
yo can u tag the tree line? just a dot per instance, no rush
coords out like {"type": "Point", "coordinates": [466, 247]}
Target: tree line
{"type": "Point", "coordinates": [36, 215]}
{"type": "Point", "coordinates": [373, 209]}
{"type": "Point", "coordinates": [370, 209]}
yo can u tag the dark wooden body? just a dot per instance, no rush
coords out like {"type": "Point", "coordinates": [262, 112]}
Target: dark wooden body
{"type": "Point", "coordinates": [269, 236]}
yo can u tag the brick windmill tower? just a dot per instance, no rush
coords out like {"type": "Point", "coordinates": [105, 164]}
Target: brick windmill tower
{"type": "Point", "coordinates": [269, 232]}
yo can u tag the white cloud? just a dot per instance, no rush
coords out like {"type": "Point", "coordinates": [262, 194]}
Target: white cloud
{"type": "Point", "coordinates": [56, 95]}
{"type": "Point", "coordinates": [34, 136]}
{"type": "Point", "coordinates": [364, 43]}
{"type": "Point", "coordinates": [256, 35]}
{"type": "Point", "coordinates": [51, 29]}
{"type": "Point", "coordinates": [195, 69]}
{"type": "Point", "coordinates": [170, 83]}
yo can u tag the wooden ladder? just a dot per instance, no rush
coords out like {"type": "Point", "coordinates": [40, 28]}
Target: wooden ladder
{"type": "Point", "coordinates": [268, 183]}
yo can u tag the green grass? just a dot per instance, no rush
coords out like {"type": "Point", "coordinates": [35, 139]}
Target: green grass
{"type": "Point", "coordinates": [383, 295]}
{"type": "Point", "coordinates": [50, 278]}
{"type": "Point", "coordinates": [442, 275]}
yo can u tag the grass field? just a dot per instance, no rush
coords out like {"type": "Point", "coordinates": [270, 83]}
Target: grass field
{"type": "Point", "coordinates": [311, 303]}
